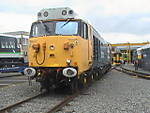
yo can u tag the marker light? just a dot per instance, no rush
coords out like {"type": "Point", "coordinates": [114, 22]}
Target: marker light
{"type": "Point", "coordinates": [51, 47]}
{"type": "Point", "coordinates": [71, 12]}
{"type": "Point", "coordinates": [68, 61]}
{"type": "Point", "coordinates": [64, 12]}
{"type": "Point", "coordinates": [45, 14]}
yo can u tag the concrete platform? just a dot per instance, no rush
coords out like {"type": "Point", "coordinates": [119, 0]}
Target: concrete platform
{"type": "Point", "coordinates": [131, 67]}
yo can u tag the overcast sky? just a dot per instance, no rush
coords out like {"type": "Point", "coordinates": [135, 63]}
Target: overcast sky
{"type": "Point", "coordinates": [118, 21]}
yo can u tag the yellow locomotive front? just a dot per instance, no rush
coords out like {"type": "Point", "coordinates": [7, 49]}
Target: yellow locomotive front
{"type": "Point", "coordinates": [57, 53]}
{"type": "Point", "coordinates": [59, 47]}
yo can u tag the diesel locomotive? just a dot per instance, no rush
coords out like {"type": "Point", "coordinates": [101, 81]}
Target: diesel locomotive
{"type": "Point", "coordinates": [65, 50]}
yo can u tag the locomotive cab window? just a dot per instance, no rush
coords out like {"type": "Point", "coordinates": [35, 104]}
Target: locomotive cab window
{"type": "Point", "coordinates": [64, 28]}
{"type": "Point", "coordinates": [53, 28]}
{"type": "Point", "coordinates": [84, 31]}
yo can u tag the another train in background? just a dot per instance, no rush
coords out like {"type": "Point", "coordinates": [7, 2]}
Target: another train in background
{"type": "Point", "coordinates": [143, 56]}
{"type": "Point", "coordinates": [116, 58]}
{"type": "Point", "coordinates": [12, 53]}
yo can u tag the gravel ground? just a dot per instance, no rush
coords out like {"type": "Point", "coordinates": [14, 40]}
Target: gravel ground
{"type": "Point", "coordinates": [9, 74]}
{"type": "Point", "coordinates": [16, 92]}
{"type": "Point", "coordinates": [6, 81]}
{"type": "Point", "coordinates": [41, 104]}
{"type": "Point", "coordinates": [12, 94]}
{"type": "Point", "coordinates": [116, 92]}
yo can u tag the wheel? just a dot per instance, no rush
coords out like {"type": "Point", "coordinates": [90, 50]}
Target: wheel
{"type": "Point", "coordinates": [99, 74]}
{"type": "Point", "coordinates": [92, 77]}
{"type": "Point", "coordinates": [96, 75]}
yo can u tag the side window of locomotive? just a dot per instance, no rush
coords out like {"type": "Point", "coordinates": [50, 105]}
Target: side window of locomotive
{"type": "Point", "coordinates": [37, 30]}
{"type": "Point", "coordinates": [85, 31]}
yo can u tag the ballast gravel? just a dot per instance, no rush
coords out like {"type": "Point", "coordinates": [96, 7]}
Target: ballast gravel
{"type": "Point", "coordinates": [17, 92]}
{"type": "Point", "coordinates": [40, 105]}
{"type": "Point", "coordinates": [116, 92]}
{"type": "Point", "coordinates": [14, 93]}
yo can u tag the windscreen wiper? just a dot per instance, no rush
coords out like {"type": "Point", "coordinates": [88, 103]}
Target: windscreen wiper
{"type": "Point", "coordinates": [45, 27]}
{"type": "Point", "coordinates": [66, 23]}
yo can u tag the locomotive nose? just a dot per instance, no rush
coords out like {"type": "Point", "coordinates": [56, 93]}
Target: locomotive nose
{"type": "Point", "coordinates": [29, 71]}
{"type": "Point", "coordinates": [69, 72]}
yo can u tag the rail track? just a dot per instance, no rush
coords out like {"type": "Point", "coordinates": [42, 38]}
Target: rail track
{"type": "Point", "coordinates": [9, 107]}
{"type": "Point", "coordinates": [62, 103]}
{"type": "Point", "coordinates": [50, 110]}
{"type": "Point", "coordinates": [133, 73]}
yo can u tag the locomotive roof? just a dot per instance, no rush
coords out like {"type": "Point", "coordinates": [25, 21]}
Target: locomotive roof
{"type": "Point", "coordinates": [99, 36]}
{"type": "Point", "coordinates": [56, 13]}
{"type": "Point", "coordinates": [63, 13]}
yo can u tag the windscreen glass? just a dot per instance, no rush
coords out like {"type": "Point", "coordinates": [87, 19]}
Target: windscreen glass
{"type": "Point", "coordinates": [52, 28]}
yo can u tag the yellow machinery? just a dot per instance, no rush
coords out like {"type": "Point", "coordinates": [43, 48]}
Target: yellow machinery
{"type": "Point", "coordinates": [126, 54]}
{"type": "Point", "coordinates": [117, 58]}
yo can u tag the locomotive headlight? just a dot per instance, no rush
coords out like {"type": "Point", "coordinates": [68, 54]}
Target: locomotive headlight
{"type": "Point", "coordinates": [69, 72]}
{"type": "Point", "coordinates": [68, 61]}
{"type": "Point", "coordinates": [51, 47]}
{"type": "Point", "coordinates": [45, 13]}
